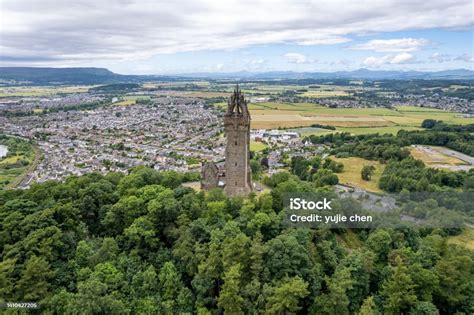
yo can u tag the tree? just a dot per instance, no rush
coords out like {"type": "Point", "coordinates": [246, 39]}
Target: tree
{"type": "Point", "coordinates": [230, 299]}
{"type": "Point", "coordinates": [7, 282]}
{"type": "Point", "coordinates": [35, 279]}
{"type": "Point", "coordinates": [368, 307]}
{"type": "Point", "coordinates": [380, 243]}
{"type": "Point", "coordinates": [256, 168]}
{"type": "Point", "coordinates": [325, 177]}
{"type": "Point", "coordinates": [286, 295]}
{"type": "Point", "coordinates": [455, 282]}
{"type": "Point", "coordinates": [424, 308]}
{"type": "Point", "coordinates": [428, 123]}
{"type": "Point", "coordinates": [175, 297]}
{"type": "Point", "coordinates": [398, 290]}
{"type": "Point", "coordinates": [367, 172]}
{"type": "Point", "coordinates": [336, 300]}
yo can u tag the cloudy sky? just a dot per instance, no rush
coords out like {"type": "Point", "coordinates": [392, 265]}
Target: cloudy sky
{"type": "Point", "coordinates": [182, 36]}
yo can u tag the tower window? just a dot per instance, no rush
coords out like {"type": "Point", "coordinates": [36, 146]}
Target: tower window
{"type": "Point", "coordinates": [235, 163]}
{"type": "Point", "coordinates": [235, 183]}
{"type": "Point", "coordinates": [235, 142]}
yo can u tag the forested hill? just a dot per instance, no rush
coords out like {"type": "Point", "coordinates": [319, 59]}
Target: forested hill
{"type": "Point", "coordinates": [144, 244]}
{"type": "Point", "coordinates": [56, 76]}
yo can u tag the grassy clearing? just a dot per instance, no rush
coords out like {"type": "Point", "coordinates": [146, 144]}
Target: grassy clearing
{"type": "Point", "coordinates": [194, 185]}
{"type": "Point", "coordinates": [431, 156]}
{"type": "Point", "coordinates": [257, 146]}
{"type": "Point", "coordinates": [351, 174]}
{"type": "Point", "coordinates": [466, 238]}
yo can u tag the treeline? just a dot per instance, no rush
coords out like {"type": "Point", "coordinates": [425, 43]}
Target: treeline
{"type": "Point", "coordinates": [439, 125]}
{"type": "Point", "coordinates": [115, 88]}
{"type": "Point", "coordinates": [144, 244]}
{"type": "Point", "coordinates": [412, 175]}
{"type": "Point", "coordinates": [323, 126]}
{"type": "Point", "coordinates": [319, 171]}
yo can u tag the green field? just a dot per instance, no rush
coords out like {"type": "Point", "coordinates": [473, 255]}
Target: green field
{"type": "Point", "coordinates": [257, 146]}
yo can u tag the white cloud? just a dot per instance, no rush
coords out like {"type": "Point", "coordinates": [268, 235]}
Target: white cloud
{"type": "Point", "coordinates": [393, 45]}
{"type": "Point", "coordinates": [401, 58]}
{"type": "Point", "coordinates": [82, 31]}
{"type": "Point", "coordinates": [465, 57]}
{"type": "Point", "coordinates": [297, 58]}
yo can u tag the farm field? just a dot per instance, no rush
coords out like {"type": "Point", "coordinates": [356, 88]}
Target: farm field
{"type": "Point", "coordinates": [25, 91]}
{"type": "Point", "coordinates": [351, 174]}
{"type": "Point", "coordinates": [272, 115]}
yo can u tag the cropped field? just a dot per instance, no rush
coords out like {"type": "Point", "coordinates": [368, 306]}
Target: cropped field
{"type": "Point", "coordinates": [351, 174]}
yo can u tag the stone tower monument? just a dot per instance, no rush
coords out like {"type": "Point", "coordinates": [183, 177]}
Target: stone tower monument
{"type": "Point", "coordinates": [237, 152]}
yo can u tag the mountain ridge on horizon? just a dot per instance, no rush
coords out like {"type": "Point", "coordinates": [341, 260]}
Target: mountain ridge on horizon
{"type": "Point", "coordinates": [96, 75]}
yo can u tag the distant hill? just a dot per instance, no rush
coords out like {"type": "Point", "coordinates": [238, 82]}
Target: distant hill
{"type": "Point", "coordinates": [59, 75]}
{"type": "Point", "coordinates": [364, 74]}
{"type": "Point", "coordinates": [50, 76]}
{"type": "Point", "coordinates": [56, 76]}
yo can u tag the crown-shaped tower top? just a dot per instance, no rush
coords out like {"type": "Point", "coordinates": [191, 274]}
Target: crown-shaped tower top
{"type": "Point", "coordinates": [237, 105]}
